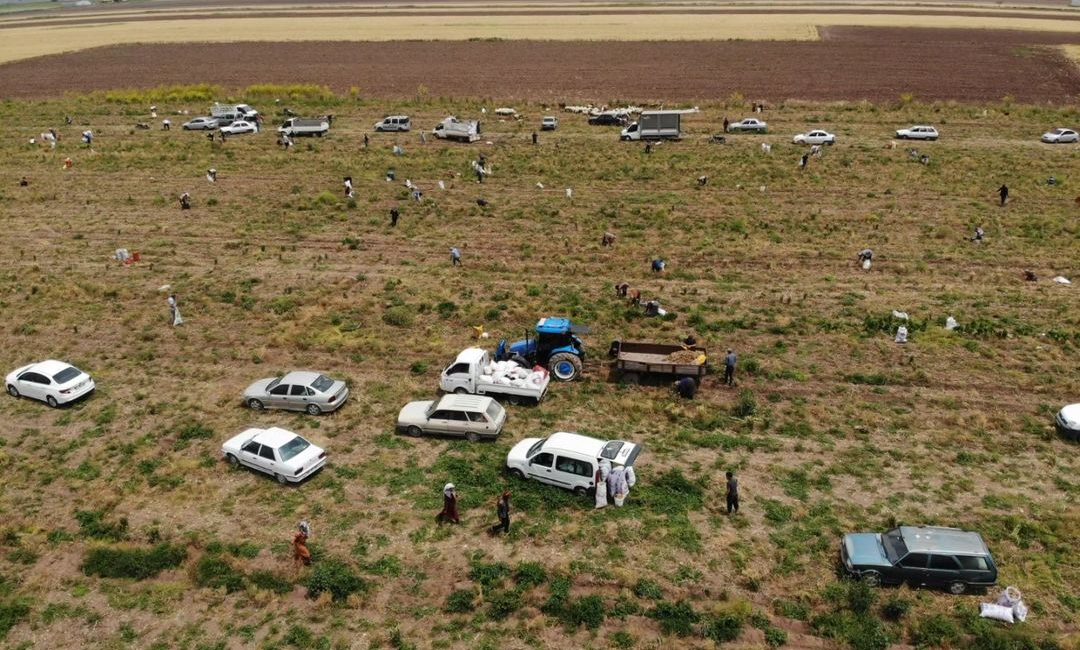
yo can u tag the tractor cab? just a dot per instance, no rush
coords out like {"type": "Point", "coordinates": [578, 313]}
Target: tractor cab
{"type": "Point", "coordinates": [554, 344]}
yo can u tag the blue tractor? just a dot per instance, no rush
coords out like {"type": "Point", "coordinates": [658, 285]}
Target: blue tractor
{"type": "Point", "coordinates": [554, 345]}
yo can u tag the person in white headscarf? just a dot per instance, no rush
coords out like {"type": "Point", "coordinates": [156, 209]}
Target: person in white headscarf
{"type": "Point", "coordinates": [617, 485]}
{"type": "Point", "coordinates": [449, 511]}
{"type": "Point", "coordinates": [603, 469]}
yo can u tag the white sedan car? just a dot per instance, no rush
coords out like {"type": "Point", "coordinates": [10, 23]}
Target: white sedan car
{"type": "Point", "coordinates": [815, 137]}
{"type": "Point", "coordinates": [52, 382]}
{"type": "Point", "coordinates": [918, 133]}
{"type": "Point", "coordinates": [201, 124]}
{"type": "Point", "coordinates": [749, 124]}
{"type": "Point", "coordinates": [237, 128]}
{"type": "Point", "coordinates": [1060, 136]}
{"type": "Point", "coordinates": [284, 455]}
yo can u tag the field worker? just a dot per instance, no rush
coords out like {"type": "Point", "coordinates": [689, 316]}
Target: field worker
{"type": "Point", "coordinates": [423, 138]}
{"type": "Point", "coordinates": [535, 138]}
{"type": "Point", "coordinates": [174, 310]}
{"type": "Point", "coordinates": [603, 470]}
{"type": "Point", "coordinates": [979, 234]}
{"type": "Point", "coordinates": [365, 141]}
{"type": "Point", "coordinates": [901, 334]}
{"type": "Point", "coordinates": [23, 182]}
{"type": "Point", "coordinates": [726, 124]}
{"type": "Point", "coordinates": [394, 216]}
{"type": "Point", "coordinates": [166, 124]}
{"type": "Point", "coordinates": [1004, 192]}
{"type": "Point", "coordinates": [153, 111]}
{"type": "Point", "coordinates": [686, 387]}
{"type": "Point", "coordinates": [617, 487]}
{"type": "Point", "coordinates": [608, 239]}
{"type": "Point", "coordinates": [729, 367]}
{"type": "Point", "coordinates": [866, 258]}
{"type": "Point", "coordinates": [348, 187]}
{"type": "Point", "coordinates": [88, 138]}
{"type": "Point", "coordinates": [732, 493]}
{"type": "Point", "coordinates": [455, 256]}
{"type": "Point", "coordinates": [502, 510]}
{"type": "Point", "coordinates": [658, 265]}
{"type": "Point", "coordinates": [804, 160]}
{"type": "Point", "coordinates": [449, 509]}
{"type": "Point", "coordinates": [690, 340]}
{"type": "Point", "coordinates": [211, 175]}
{"type": "Point", "coordinates": [185, 201]}
{"type": "Point", "coordinates": [301, 552]}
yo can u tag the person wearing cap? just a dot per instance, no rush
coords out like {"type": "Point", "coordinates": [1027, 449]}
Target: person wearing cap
{"type": "Point", "coordinates": [449, 509]}
{"type": "Point", "coordinates": [502, 509]}
{"type": "Point", "coordinates": [301, 553]}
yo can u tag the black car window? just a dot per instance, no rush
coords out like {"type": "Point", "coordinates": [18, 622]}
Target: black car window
{"type": "Point", "coordinates": [894, 545]}
{"type": "Point", "coordinates": [573, 466]}
{"type": "Point", "coordinates": [266, 452]}
{"type": "Point", "coordinates": [458, 369]}
{"type": "Point", "coordinates": [943, 563]}
{"type": "Point", "coordinates": [34, 378]}
{"type": "Point", "coordinates": [281, 389]}
{"type": "Point", "coordinates": [66, 375]}
{"type": "Point", "coordinates": [442, 414]}
{"type": "Point", "coordinates": [298, 390]}
{"type": "Point", "coordinates": [309, 392]}
{"type": "Point", "coordinates": [457, 416]}
{"type": "Point", "coordinates": [476, 417]}
{"type": "Point", "coordinates": [973, 563]}
{"type": "Point", "coordinates": [543, 459]}
{"type": "Point", "coordinates": [252, 448]}
{"type": "Point", "coordinates": [914, 561]}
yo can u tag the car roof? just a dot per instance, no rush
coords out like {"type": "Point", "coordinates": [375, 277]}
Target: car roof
{"type": "Point", "coordinates": [305, 377]}
{"type": "Point", "coordinates": [575, 442]}
{"type": "Point", "coordinates": [273, 437]}
{"type": "Point", "coordinates": [49, 367]}
{"type": "Point", "coordinates": [553, 325]}
{"type": "Point", "coordinates": [470, 355]}
{"type": "Point", "coordinates": [936, 539]}
{"type": "Point", "coordinates": [465, 402]}
{"type": "Point", "coordinates": [1071, 410]}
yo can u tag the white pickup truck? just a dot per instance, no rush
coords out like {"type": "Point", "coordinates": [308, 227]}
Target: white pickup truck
{"type": "Point", "coordinates": [474, 372]}
{"type": "Point", "coordinates": [297, 126]}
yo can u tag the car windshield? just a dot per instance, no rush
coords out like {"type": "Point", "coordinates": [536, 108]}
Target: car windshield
{"type": "Point", "coordinates": [611, 449]}
{"type": "Point", "coordinates": [273, 383]}
{"type": "Point", "coordinates": [493, 410]}
{"type": "Point", "coordinates": [66, 375]}
{"type": "Point", "coordinates": [895, 548]}
{"type": "Point", "coordinates": [1060, 131]}
{"type": "Point", "coordinates": [535, 448]}
{"type": "Point", "coordinates": [322, 383]}
{"type": "Point", "coordinates": [290, 449]}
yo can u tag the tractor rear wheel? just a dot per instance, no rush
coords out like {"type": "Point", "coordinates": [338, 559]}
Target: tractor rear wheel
{"type": "Point", "coordinates": [565, 366]}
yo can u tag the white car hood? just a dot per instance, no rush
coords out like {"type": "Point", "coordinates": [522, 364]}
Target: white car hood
{"type": "Point", "coordinates": [414, 413]}
{"type": "Point", "coordinates": [1071, 415]}
{"type": "Point", "coordinates": [518, 453]}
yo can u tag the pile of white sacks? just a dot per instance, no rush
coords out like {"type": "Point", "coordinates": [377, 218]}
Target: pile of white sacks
{"type": "Point", "coordinates": [508, 373]}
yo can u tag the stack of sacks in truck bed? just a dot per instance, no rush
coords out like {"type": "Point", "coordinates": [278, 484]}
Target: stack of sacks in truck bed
{"type": "Point", "coordinates": [508, 373]}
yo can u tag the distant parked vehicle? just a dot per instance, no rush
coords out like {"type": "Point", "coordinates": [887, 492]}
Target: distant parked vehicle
{"type": "Point", "coordinates": [610, 118]}
{"type": "Point", "coordinates": [1060, 136]}
{"type": "Point", "coordinates": [297, 391]}
{"type": "Point", "coordinates": [567, 460]}
{"type": "Point", "coordinates": [918, 133]}
{"type": "Point", "coordinates": [655, 125]}
{"type": "Point", "coordinates": [470, 416]}
{"type": "Point", "coordinates": [930, 555]}
{"type": "Point", "coordinates": [815, 137]}
{"type": "Point", "coordinates": [287, 457]}
{"type": "Point", "coordinates": [1067, 422]}
{"type": "Point", "coordinates": [394, 123]}
{"type": "Point", "coordinates": [53, 382]}
{"type": "Point", "coordinates": [297, 126]}
{"type": "Point", "coordinates": [201, 124]}
{"type": "Point", "coordinates": [240, 127]}
{"type": "Point", "coordinates": [750, 124]}
{"type": "Point", "coordinates": [452, 128]}
{"type": "Point", "coordinates": [231, 112]}
{"type": "Point", "coordinates": [549, 123]}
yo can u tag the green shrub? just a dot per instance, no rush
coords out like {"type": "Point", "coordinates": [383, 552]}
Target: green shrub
{"type": "Point", "coordinates": [723, 627]}
{"type": "Point", "coordinates": [490, 575]}
{"type": "Point", "coordinates": [134, 563]}
{"type": "Point", "coordinates": [650, 589]}
{"type": "Point", "coordinates": [299, 636]}
{"type": "Point", "coordinates": [775, 637]}
{"type": "Point", "coordinates": [418, 368]}
{"type": "Point", "coordinates": [746, 406]}
{"type": "Point", "coordinates": [934, 631]}
{"type": "Point", "coordinates": [860, 597]}
{"type": "Point", "coordinates": [503, 603]}
{"type": "Point", "coordinates": [895, 608]}
{"type": "Point", "coordinates": [337, 578]}
{"type": "Point", "coordinates": [92, 524]}
{"type": "Point", "coordinates": [195, 431]}
{"type": "Point", "coordinates": [530, 574]}
{"type": "Point", "coordinates": [214, 571]}
{"type": "Point", "coordinates": [271, 581]}
{"type": "Point", "coordinates": [446, 309]}
{"type": "Point", "coordinates": [399, 316]}
{"type": "Point", "coordinates": [675, 618]}
{"type": "Point", "coordinates": [461, 601]}
{"type": "Point", "coordinates": [587, 611]}
{"type": "Point", "coordinates": [12, 612]}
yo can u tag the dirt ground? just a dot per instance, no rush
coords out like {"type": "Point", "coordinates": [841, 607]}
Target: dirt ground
{"type": "Point", "coordinates": [848, 64]}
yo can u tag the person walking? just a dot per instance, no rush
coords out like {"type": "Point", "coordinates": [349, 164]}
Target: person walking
{"type": "Point", "coordinates": [348, 187]}
{"type": "Point", "coordinates": [1003, 191]}
{"type": "Point", "coordinates": [804, 161]}
{"type": "Point", "coordinates": [686, 387]}
{"type": "Point", "coordinates": [301, 552]}
{"type": "Point", "coordinates": [394, 216]}
{"type": "Point", "coordinates": [365, 141]}
{"type": "Point", "coordinates": [449, 509]}
{"type": "Point", "coordinates": [732, 493]}
{"type": "Point", "coordinates": [535, 138]}
{"type": "Point", "coordinates": [455, 256]}
{"type": "Point", "coordinates": [729, 367]}
{"type": "Point", "coordinates": [174, 310]}
{"type": "Point", "coordinates": [726, 124]}
{"type": "Point", "coordinates": [603, 469]}
{"type": "Point", "coordinates": [979, 235]}
{"type": "Point", "coordinates": [658, 265]}
{"type": "Point", "coordinates": [502, 509]}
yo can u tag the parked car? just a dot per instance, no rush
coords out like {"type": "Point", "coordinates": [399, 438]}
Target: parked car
{"type": "Point", "coordinates": [929, 555]}
{"type": "Point", "coordinates": [287, 457]}
{"type": "Point", "coordinates": [815, 137]}
{"type": "Point", "coordinates": [53, 382]}
{"type": "Point", "coordinates": [471, 416]}
{"type": "Point", "coordinates": [567, 460]}
{"type": "Point", "coordinates": [549, 123]}
{"type": "Point", "coordinates": [749, 124]}
{"type": "Point", "coordinates": [1067, 422]}
{"type": "Point", "coordinates": [240, 127]}
{"type": "Point", "coordinates": [394, 123]}
{"type": "Point", "coordinates": [201, 124]}
{"type": "Point", "coordinates": [918, 133]}
{"type": "Point", "coordinates": [302, 390]}
{"type": "Point", "coordinates": [1060, 136]}
{"type": "Point", "coordinates": [609, 118]}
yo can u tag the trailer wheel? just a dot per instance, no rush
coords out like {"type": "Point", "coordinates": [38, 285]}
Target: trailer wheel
{"type": "Point", "coordinates": [565, 366]}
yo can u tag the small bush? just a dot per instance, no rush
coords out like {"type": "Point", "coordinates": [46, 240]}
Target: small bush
{"type": "Point", "coordinates": [587, 611]}
{"type": "Point", "coordinates": [935, 631]}
{"type": "Point", "coordinates": [646, 588]}
{"type": "Point", "coordinates": [418, 368]}
{"type": "Point", "coordinates": [400, 316]}
{"type": "Point", "coordinates": [723, 627]}
{"type": "Point", "coordinates": [503, 603]}
{"type": "Point", "coordinates": [195, 431]}
{"type": "Point", "coordinates": [337, 578]}
{"type": "Point", "coordinates": [775, 637]}
{"type": "Point", "coordinates": [746, 406]}
{"type": "Point", "coordinates": [299, 636]}
{"type": "Point", "coordinates": [214, 572]}
{"type": "Point", "coordinates": [461, 601]}
{"type": "Point", "coordinates": [490, 575]}
{"type": "Point", "coordinates": [12, 613]}
{"type": "Point", "coordinates": [134, 563]}
{"type": "Point", "coordinates": [446, 309]}
{"type": "Point", "coordinates": [675, 618]}
{"type": "Point", "coordinates": [895, 608]}
{"type": "Point", "coordinates": [92, 524]}
{"type": "Point", "coordinates": [861, 597]}
{"type": "Point", "coordinates": [271, 581]}
{"type": "Point", "coordinates": [530, 574]}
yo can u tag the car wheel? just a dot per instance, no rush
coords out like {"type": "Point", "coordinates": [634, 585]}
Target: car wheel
{"type": "Point", "coordinates": [51, 401]}
{"type": "Point", "coordinates": [281, 479]}
{"type": "Point", "coordinates": [255, 405]}
{"type": "Point", "coordinates": [871, 578]}
{"type": "Point", "coordinates": [581, 491]}
{"type": "Point", "coordinates": [472, 436]}
{"type": "Point", "coordinates": [956, 588]}
{"type": "Point", "coordinates": [565, 366]}
{"type": "Point", "coordinates": [313, 409]}
{"type": "Point", "coordinates": [233, 460]}
{"type": "Point", "coordinates": [414, 431]}
{"type": "Point", "coordinates": [460, 390]}
{"type": "Point", "coordinates": [518, 474]}
{"type": "Point", "coordinates": [14, 392]}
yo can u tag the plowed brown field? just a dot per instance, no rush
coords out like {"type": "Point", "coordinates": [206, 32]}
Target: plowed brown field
{"type": "Point", "coordinates": [850, 63]}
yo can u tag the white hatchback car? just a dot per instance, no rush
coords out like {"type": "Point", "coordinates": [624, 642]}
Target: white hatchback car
{"type": "Point", "coordinates": [241, 127]}
{"type": "Point", "coordinates": [287, 457]}
{"type": "Point", "coordinates": [918, 133]}
{"type": "Point", "coordinates": [815, 137]}
{"type": "Point", "coordinates": [471, 416]}
{"type": "Point", "coordinates": [53, 382]}
{"type": "Point", "coordinates": [1060, 136]}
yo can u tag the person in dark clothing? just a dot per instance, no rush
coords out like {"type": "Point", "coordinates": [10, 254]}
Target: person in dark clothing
{"type": "Point", "coordinates": [394, 216]}
{"type": "Point", "coordinates": [690, 340]}
{"type": "Point", "coordinates": [804, 161]}
{"type": "Point", "coordinates": [365, 141]}
{"type": "Point", "coordinates": [23, 182]}
{"type": "Point", "coordinates": [729, 368]}
{"type": "Point", "coordinates": [185, 201]}
{"type": "Point", "coordinates": [732, 493]}
{"type": "Point", "coordinates": [535, 138]}
{"type": "Point", "coordinates": [726, 124]}
{"type": "Point", "coordinates": [449, 510]}
{"type": "Point", "coordinates": [502, 508]}
{"type": "Point", "coordinates": [1004, 192]}
{"type": "Point", "coordinates": [686, 387]}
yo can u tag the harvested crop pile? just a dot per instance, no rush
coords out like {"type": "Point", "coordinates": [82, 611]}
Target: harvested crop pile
{"type": "Point", "coordinates": [684, 357]}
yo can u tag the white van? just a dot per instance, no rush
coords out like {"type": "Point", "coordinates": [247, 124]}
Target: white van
{"type": "Point", "coordinates": [394, 123]}
{"type": "Point", "coordinates": [567, 460]}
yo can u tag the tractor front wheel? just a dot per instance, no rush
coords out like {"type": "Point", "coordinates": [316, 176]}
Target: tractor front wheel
{"type": "Point", "coordinates": [565, 366]}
